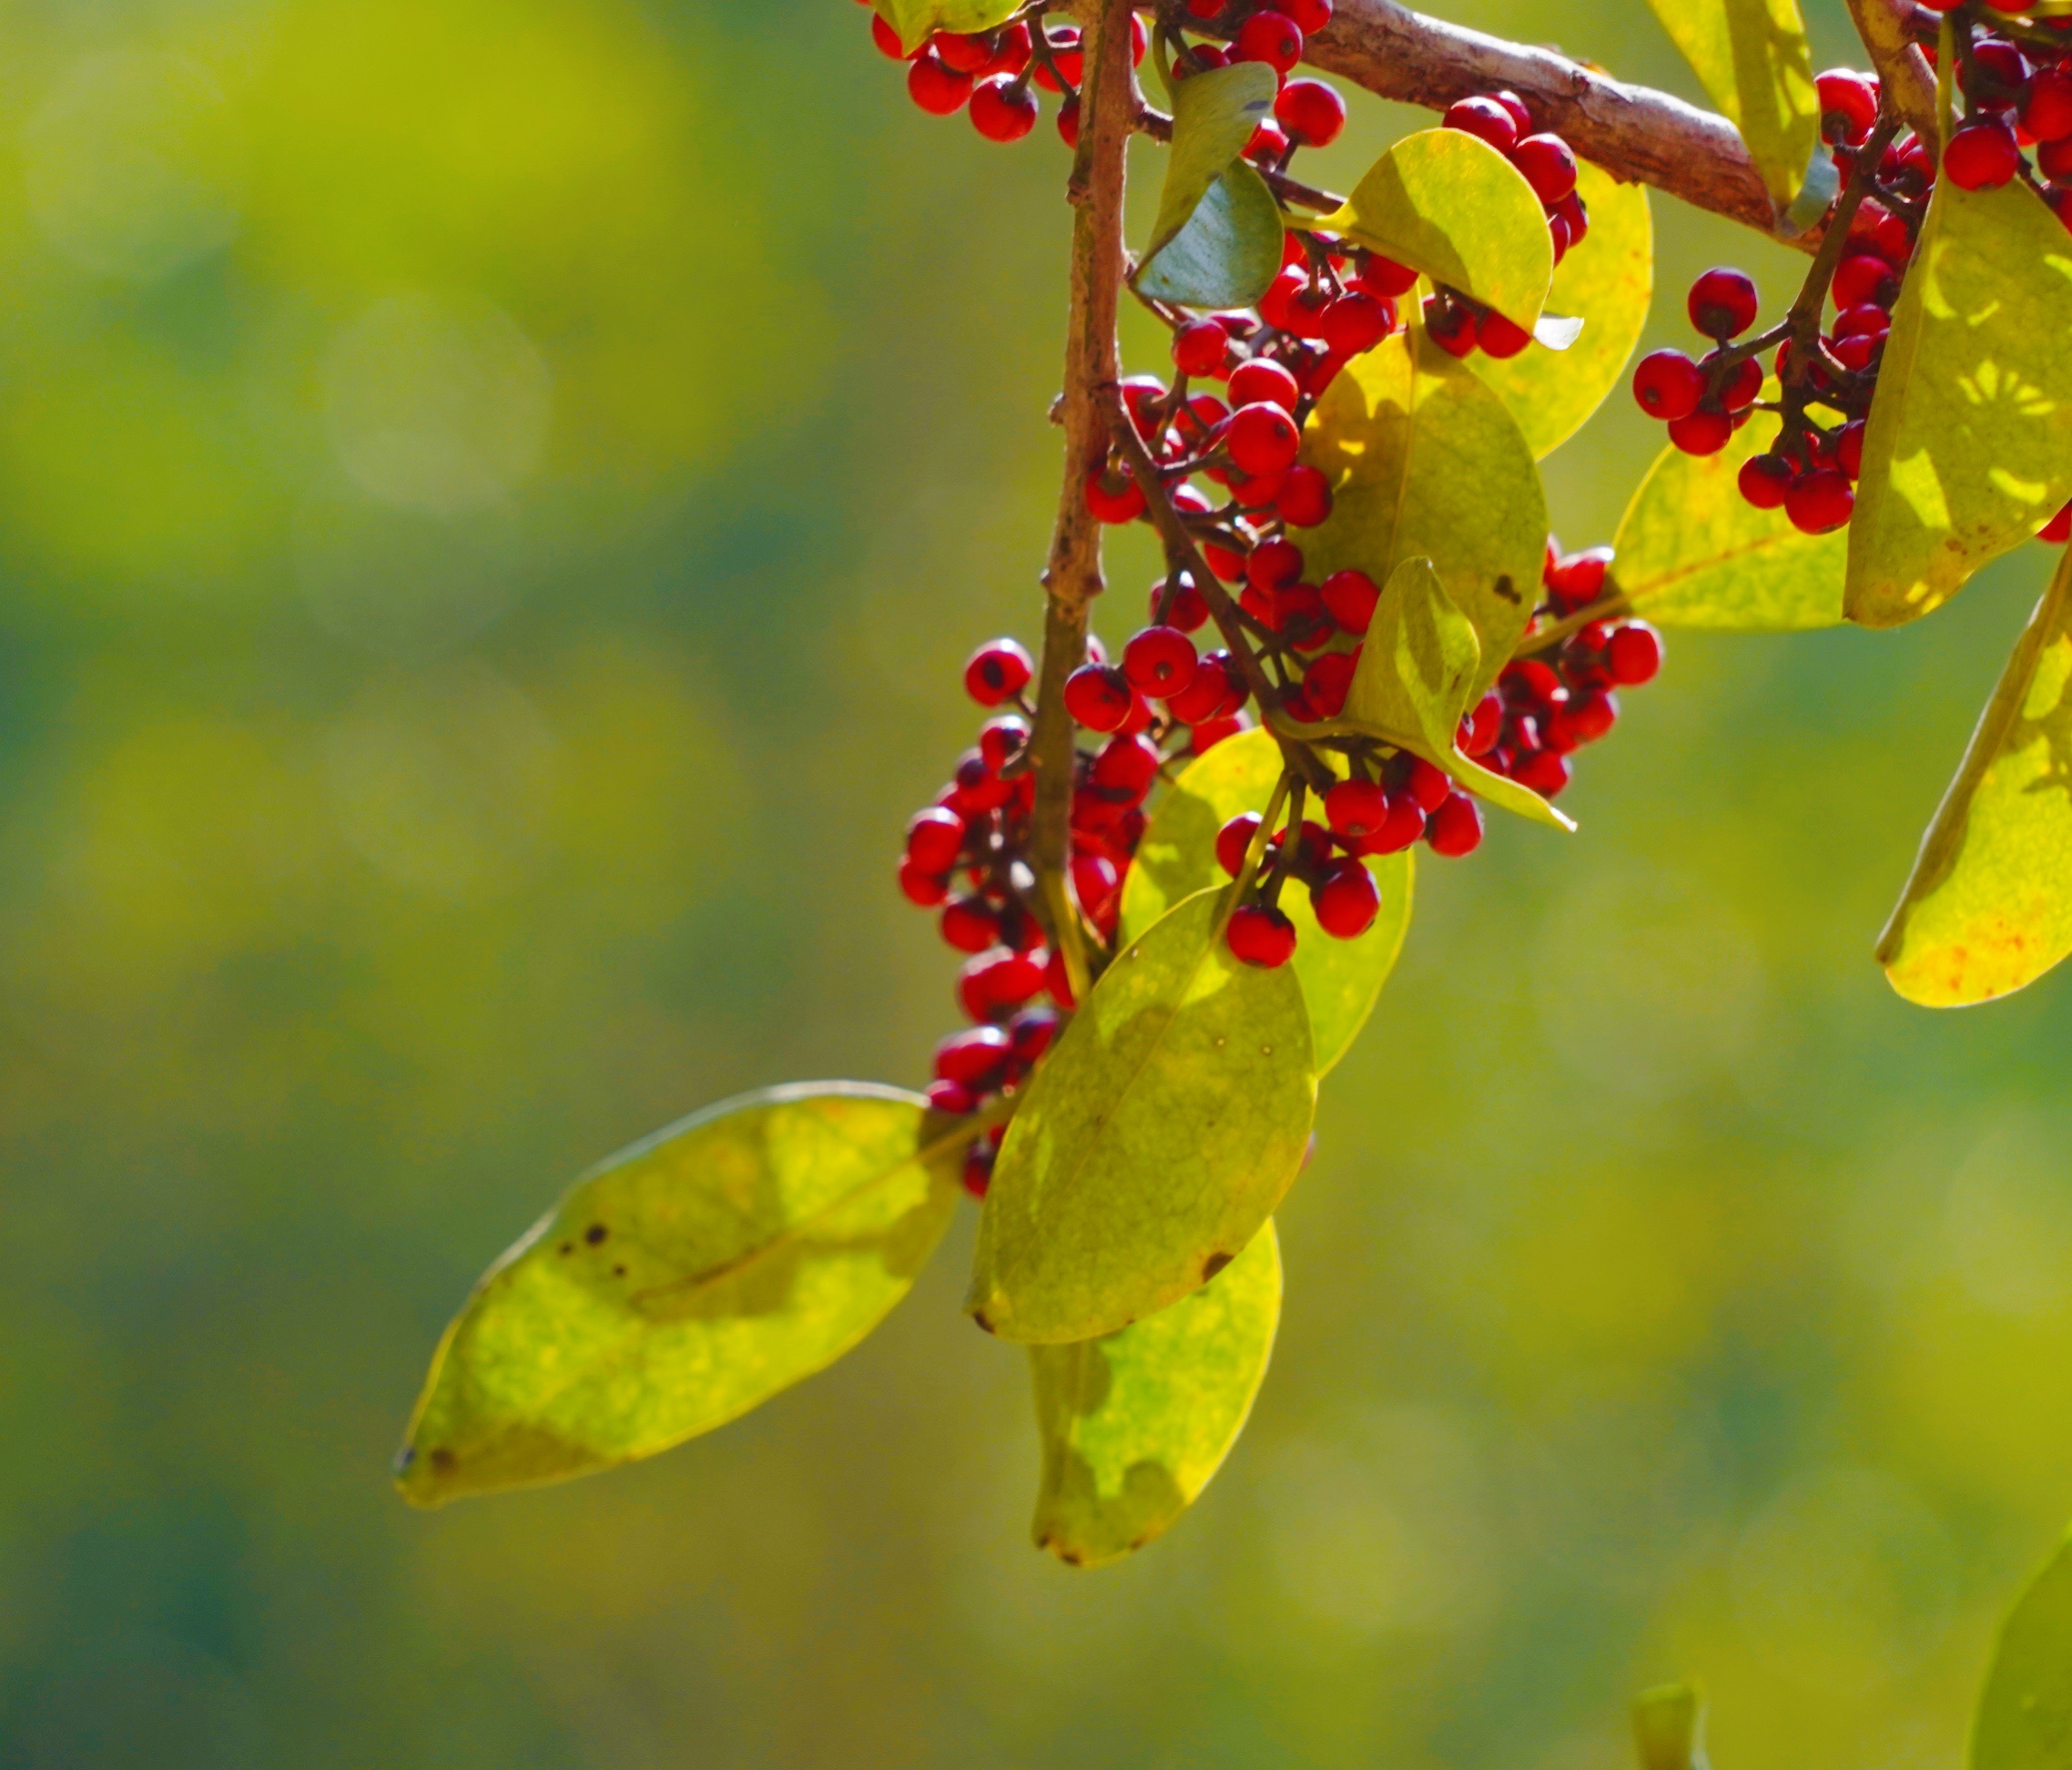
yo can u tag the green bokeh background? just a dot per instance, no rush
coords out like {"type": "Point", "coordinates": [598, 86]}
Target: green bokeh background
{"type": "Point", "coordinates": [492, 503]}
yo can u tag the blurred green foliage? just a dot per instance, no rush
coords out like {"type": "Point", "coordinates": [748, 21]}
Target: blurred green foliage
{"type": "Point", "coordinates": [492, 501]}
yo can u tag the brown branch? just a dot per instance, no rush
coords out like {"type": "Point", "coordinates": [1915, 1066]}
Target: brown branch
{"type": "Point", "coordinates": [1108, 104]}
{"type": "Point", "coordinates": [1908, 81]}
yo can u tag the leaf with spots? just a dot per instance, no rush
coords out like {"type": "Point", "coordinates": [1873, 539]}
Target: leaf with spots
{"type": "Point", "coordinates": [1988, 909]}
{"type": "Point", "coordinates": [918, 20]}
{"type": "Point", "coordinates": [1159, 1136]}
{"type": "Point", "coordinates": [1425, 459]}
{"type": "Point", "coordinates": [1341, 980]}
{"type": "Point", "coordinates": [1135, 1424]}
{"type": "Point", "coordinates": [1752, 60]}
{"type": "Point", "coordinates": [683, 1283]}
{"type": "Point", "coordinates": [2024, 1712]}
{"type": "Point", "coordinates": [1969, 447]}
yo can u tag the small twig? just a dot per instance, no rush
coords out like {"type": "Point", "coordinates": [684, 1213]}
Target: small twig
{"type": "Point", "coordinates": [1904, 74]}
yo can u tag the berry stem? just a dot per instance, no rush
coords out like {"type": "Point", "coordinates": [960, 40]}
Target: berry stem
{"type": "Point", "coordinates": [1805, 316]}
{"type": "Point", "coordinates": [1904, 77]}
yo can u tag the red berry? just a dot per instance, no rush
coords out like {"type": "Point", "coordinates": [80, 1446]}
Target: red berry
{"type": "Point", "coordinates": [1262, 937]}
{"type": "Point", "coordinates": [1201, 346]}
{"type": "Point", "coordinates": [1274, 564]}
{"type": "Point", "coordinates": [1305, 499]}
{"type": "Point", "coordinates": [1329, 681]}
{"type": "Point", "coordinates": [1481, 729]}
{"type": "Point", "coordinates": [1591, 715]}
{"type": "Point", "coordinates": [1427, 784]}
{"type": "Point", "coordinates": [1113, 496]}
{"type": "Point", "coordinates": [1159, 662]}
{"type": "Point", "coordinates": [1500, 337]}
{"type": "Point", "coordinates": [1311, 15]}
{"type": "Point", "coordinates": [937, 89]}
{"type": "Point", "coordinates": [1311, 112]}
{"type": "Point", "coordinates": [1011, 51]}
{"type": "Point", "coordinates": [977, 1174]}
{"type": "Point", "coordinates": [1486, 119]}
{"type": "Point", "coordinates": [1450, 325]}
{"type": "Point", "coordinates": [1068, 119]}
{"type": "Point", "coordinates": [1703, 432]}
{"type": "Point", "coordinates": [1576, 580]}
{"type": "Point", "coordinates": [934, 839]}
{"type": "Point", "coordinates": [1723, 303]}
{"type": "Point", "coordinates": [1633, 653]}
{"type": "Point", "coordinates": [972, 1058]}
{"type": "Point", "coordinates": [1511, 101]}
{"type": "Point", "coordinates": [1098, 696]}
{"type": "Point", "coordinates": [1455, 828]}
{"type": "Point", "coordinates": [1262, 437]}
{"type": "Point", "coordinates": [1549, 165]}
{"type": "Point", "coordinates": [1821, 502]}
{"type": "Point", "coordinates": [1205, 696]}
{"type": "Point", "coordinates": [1095, 882]}
{"type": "Point", "coordinates": [1848, 104]}
{"type": "Point", "coordinates": [1264, 378]}
{"type": "Point", "coordinates": [1345, 900]}
{"type": "Point", "coordinates": [1126, 766]}
{"type": "Point", "coordinates": [970, 925]}
{"type": "Point", "coordinates": [1356, 808]}
{"type": "Point", "coordinates": [1002, 109]}
{"type": "Point", "coordinates": [921, 888]}
{"type": "Point", "coordinates": [2059, 530]}
{"type": "Point", "coordinates": [1864, 277]}
{"type": "Point", "coordinates": [1385, 277]}
{"type": "Point", "coordinates": [1667, 385]}
{"type": "Point", "coordinates": [2001, 62]}
{"type": "Point", "coordinates": [1357, 322]}
{"type": "Point", "coordinates": [1349, 597]}
{"type": "Point", "coordinates": [1765, 480]}
{"type": "Point", "coordinates": [2046, 105]}
{"type": "Point", "coordinates": [1069, 58]}
{"type": "Point", "coordinates": [1546, 771]}
{"type": "Point", "coordinates": [1233, 838]}
{"type": "Point", "coordinates": [887, 40]}
{"type": "Point", "coordinates": [1866, 320]}
{"type": "Point", "coordinates": [1271, 37]}
{"type": "Point", "coordinates": [995, 982]}
{"type": "Point", "coordinates": [1269, 141]}
{"type": "Point", "coordinates": [2055, 157]}
{"type": "Point", "coordinates": [997, 671]}
{"type": "Point", "coordinates": [1982, 156]}
{"type": "Point", "coordinates": [1030, 1032]}
{"type": "Point", "coordinates": [1848, 448]}
{"type": "Point", "coordinates": [1404, 824]}
{"type": "Point", "coordinates": [1739, 385]}
{"type": "Point", "coordinates": [962, 54]}
{"type": "Point", "coordinates": [1188, 609]}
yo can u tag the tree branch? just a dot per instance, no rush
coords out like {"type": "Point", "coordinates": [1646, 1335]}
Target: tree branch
{"type": "Point", "coordinates": [1904, 72]}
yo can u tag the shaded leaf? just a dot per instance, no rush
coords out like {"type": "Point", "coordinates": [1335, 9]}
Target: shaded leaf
{"type": "Point", "coordinates": [1988, 909]}
{"type": "Point", "coordinates": [2024, 1712]}
{"type": "Point", "coordinates": [684, 1281]}
{"type": "Point", "coordinates": [1669, 1727]}
{"type": "Point", "coordinates": [1341, 980]}
{"type": "Point", "coordinates": [916, 20]}
{"type": "Point", "coordinates": [1161, 1133]}
{"type": "Point", "coordinates": [1753, 61]}
{"type": "Point", "coordinates": [1692, 551]}
{"type": "Point", "coordinates": [1446, 203]}
{"type": "Point", "coordinates": [1229, 251]}
{"type": "Point", "coordinates": [1424, 460]}
{"type": "Point", "coordinates": [1607, 283]}
{"type": "Point", "coordinates": [1969, 449]}
{"type": "Point", "coordinates": [1415, 678]}
{"type": "Point", "coordinates": [1133, 1425]}
{"type": "Point", "coordinates": [1215, 114]}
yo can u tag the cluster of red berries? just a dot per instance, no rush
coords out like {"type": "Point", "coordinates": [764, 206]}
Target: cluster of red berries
{"type": "Point", "coordinates": [2012, 99]}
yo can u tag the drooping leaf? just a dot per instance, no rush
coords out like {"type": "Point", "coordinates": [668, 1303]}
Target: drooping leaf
{"type": "Point", "coordinates": [1424, 460]}
{"type": "Point", "coordinates": [683, 1282]}
{"type": "Point", "coordinates": [1446, 203]}
{"type": "Point", "coordinates": [1228, 252]}
{"type": "Point", "coordinates": [1215, 114]}
{"type": "Point", "coordinates": [1692, 551]}
{"type": "Point", "coordinates": [1341, 980]}
{"type": "Point", "coordinates": [1753, 61]}
{"type": "Point", "coordinates": [1988, 909]}
{"type": "Point", "coordinates": [918, 20]}
{"type": "Point", "coordinates": [1157, 1138]}
{"type": "Point", "coordinates": [1606, 283]}
{"type": "Point", "coordinates": [1969, 448]}
{"type": "Point", "coordinates": [2024, 1712]}
{"type": "Point", "coordinates": [1669, 1727]}
{"type": "Point", "coordinates": [1135, 1424]}
{"type": "Point", "coordinates": [1416, 672]}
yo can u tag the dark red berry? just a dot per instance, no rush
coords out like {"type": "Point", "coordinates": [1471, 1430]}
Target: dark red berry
{"type": "Point", "coordinates": [1349, 597]}
{"type": "Point", "coordinates": [1455, 828]}
{"type": "Point", "coordinates": [1357, 809]}
{"type": "Point", "coordinates": [1705, 431]}
{"type": "Point", "coordinates": [1634, 654]}
{"type": "Point", "coordinates": [1261, 439]}
{"type": "Point", "coordinates": [994, 983]}
{"type": "Point", "coordinates": [1765, 480]}
{"type": "Point", "coordinates": [1068, 117]}
{"type": "Point", "coordinates": [1002, 109]}
{"type": "Point", "coordinates": [970, 925]}
{"type": "Point", "coordinates": [1590, 716]}
{"type": "Point", "coordinates": [934, 839]}
{"type": "Point", "coordinates": [953, 1098]}
{"type": "Point", "coordinates": [1357, 322]}
{"type": "Point", "coordinates": [1982, 156]}
{"type": "Point", "coordinates": [1159, 662]}
{"type": "Point", "coordinates": [997, 671]}
{"type": "Point", "coordinates": [1848, 104]}
{"type": "Point", "coordinates": [1383, 277]}
{"type": "Point", "coordinates": [1303, 500]}
{"type": "Point", "coordinates": [972, 1057]}
{"type": "Point", "coordinates": [1311, 112]}
{"type": "Point", "coordinates": [1030, 1032]}
{"type": "Point", "coordinates": [1345, 900]}
{"type": "Point", "coordinates": [1311, 15]}
{"type": "Point", "coordinates": [1271, 37]}
{"type": "Point", "coordinates": [1329, 681]}
{"type": "Point", "coordinates": [1500, 337]}
{"type": "Point", "coordinates": [977, 1175]}
{"type": "Point", "coordinates": [1848, 448]}
{"type": "Point", "coordinates": [1549, 165]}
{"type": "Point", "coordinates": [1864, 277]}
{"type": "Point", "coordinates": [1126, 766]}
{"type": "Point", "coordinates": [1484, 117]}
{"type": "Point", "coordinates": [1262, 937]}
{"type": "Point", "coordinates": [1201, 346]}
{"type": "Point", "coordinates": [1667, 385]}
{"type": "Point", "coordinates": [936, 88]}
{"type": "Point", "coordinates": [1723, 303]}
{"type": "Point", "coordinates": [1264, 378]}
{"type": "Point", "coordinates": [1450, 325]}
{"type": "Point", "coordinates": [1822, 501]}
{"type": "Point", "coordinates": [1098, 696]}
{"type": "Point", "coordinates": [921, 888]}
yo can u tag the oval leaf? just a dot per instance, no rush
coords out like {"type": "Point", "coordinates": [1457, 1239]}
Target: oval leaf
{"type": "Point", "coordinates": [1606, 283]}
{"type": "Point", "coordinates": [918, 20]}
{"type": "Point", "coordinates": [1446, 203]}
{"type": "Point", "coordinates": [1692, 551]}
{"type": "Point", "coordinates": [1133, 1425]}
{"type": "Point", "coordinates": [2024, 1712]}
{"type": "Point", "coordinates": [1162, 1133]}
{"type": "Point", "coordinates": [1215, 114]}
{"type": "Point", "coordinates": [1753, 61]}
{"type": "Point", "coordinates": [1969, 448]}
{"type": "Point", "coordinates": [683, 1282]}
{"type": "Point", "coordinates": [1341, 980]}
{"type": "Point", "coordinates": [1230, 250]}
{"type": "Point", "coordinates": [1988, 909]}
{"type": "Point", "coordinates": [1425, 461]}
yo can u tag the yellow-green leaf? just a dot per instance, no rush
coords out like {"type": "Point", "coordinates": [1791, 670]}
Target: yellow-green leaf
{"type": "Point", "coordinates": [1133, 1425]}
{"type": "Point", "coordinates": [1414, 681]}
{"type": "Point", "coordinates": [1230, 249]}
{"type": "Point", "coordinates": [2024, 1712]}
{"type": "Point", "coordinates": [1424, 460]}
{"type": "Point", "coordinates": [1989, 907]}
{"type": "Point", "coordinates": [1753, 61]}
{"type": "Point", "coordinates": [1215, 114]}
{"type": "Point", "coordinates": [918, 20]}
{"type": "Point", "coordinates": [1341, 980]}
{"type": "Point", "coordinates": [682, 1283]}
{"type": "Point", "coordinates": [1669, 1727]}
{"type": "Point", "coordinates": [1161, 1133]}
{"type": "Point", "coordinates": [1446, 203]}
{"type": "Point", "coordinates": [1969, 449]}
{"type": "Point", "coordinates": [1606, 283]}
{"type": "Point", "coordinates": [1692, 551]}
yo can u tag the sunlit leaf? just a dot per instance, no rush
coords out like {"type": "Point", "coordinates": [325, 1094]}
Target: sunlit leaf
{"type": "Point", "coordinates": [1230, 249]}
{"type": "Point", "coordinates": [1753, 61]}
{"type": "Point", "coordinates": [1133, 1425]}
{"type": "Point", "coordinates": [1446, 203]}
{"type": "Point", "coordinates": [1989, 907]}
{"type": "Point", "coordinates": [1416, 676]}
{"type": "Point", "coordinates": [1692, 551]}
{"type": "Point", "coordinates": [1424, 460]}
{"type": "Point", "coordinates": [1607, 283]}
{"type": "Point", "coordinates": [1341, 980]}
{"type": "Point", "coordinates": [1215, 114]}
{"type": "Point", "coordinates": [683, 1282]}
{"type": "Point", "coordinates": [2024, 1712]}
{"type": "Point", "coordinates": [1969, 449]}
{"type": "Point", "coordinates": [1158, 1137]}
{"type": "Point", "coordinates": [916, 20]}
{"type": "Point", "coordinates": [1669, 1728]}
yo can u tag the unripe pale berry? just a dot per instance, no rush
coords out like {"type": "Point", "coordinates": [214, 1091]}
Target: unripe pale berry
{"type": "Point", "coordinates": [1345, 900]}
{"type": "Point", "coordinates": [1264, 378]}
{"type": "Point", "coordinates": [1261, 937]}
{"type": "Point", "coordinates": [1311, 112]}
{"type": "Point", "coordinates": [1723, 303]}
{"type": "Point", "coordinates": [997, 671]}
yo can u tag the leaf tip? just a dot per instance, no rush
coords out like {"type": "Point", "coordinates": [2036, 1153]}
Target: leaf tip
{"type": "Point", "coordinates": [422, 1479]}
